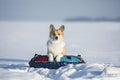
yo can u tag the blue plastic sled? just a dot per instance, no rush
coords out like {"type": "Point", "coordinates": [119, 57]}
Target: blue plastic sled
{"type": "Point", "coordinates": [41, 61]}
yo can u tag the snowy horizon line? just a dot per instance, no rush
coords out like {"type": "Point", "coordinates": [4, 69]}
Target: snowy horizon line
{"type": "Point", "coordinates": [74, 19]}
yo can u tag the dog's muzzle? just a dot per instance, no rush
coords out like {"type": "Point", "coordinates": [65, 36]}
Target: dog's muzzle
{"type": "Point", "coordinates": [56, 38]}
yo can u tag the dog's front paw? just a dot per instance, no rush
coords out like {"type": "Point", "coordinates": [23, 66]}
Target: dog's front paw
{"type": "Point", "coordinates": [58, 58]}
{"type": "Point", "coordinates": [50, 58]}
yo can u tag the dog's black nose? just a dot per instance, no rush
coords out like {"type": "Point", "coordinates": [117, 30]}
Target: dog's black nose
{"type": "Point", "coordinates": [56, 37]}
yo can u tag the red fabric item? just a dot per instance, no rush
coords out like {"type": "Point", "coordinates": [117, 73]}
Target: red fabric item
{"type": "Point", "coordinates": [41, 59]}
{"type": "Point", "coordinates": [83, 60]}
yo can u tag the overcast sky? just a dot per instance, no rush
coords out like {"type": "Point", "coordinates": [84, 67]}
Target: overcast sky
{"type": "Point", "coordinates": [57, 9]}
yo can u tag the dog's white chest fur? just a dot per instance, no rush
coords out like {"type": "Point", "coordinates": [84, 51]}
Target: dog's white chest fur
{"type": "Point", "coordinates": [55, 47]}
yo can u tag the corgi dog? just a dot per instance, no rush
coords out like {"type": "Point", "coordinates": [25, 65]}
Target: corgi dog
{"type": "Point", "coordinates": [56, 44]}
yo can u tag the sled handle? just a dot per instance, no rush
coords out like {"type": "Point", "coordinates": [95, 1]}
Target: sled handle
{"type": "Point", "coordinates": [79, 56]}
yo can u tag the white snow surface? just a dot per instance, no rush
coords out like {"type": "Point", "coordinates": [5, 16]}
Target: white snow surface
{"type": "Point", "coordinates": [97, 42]}
{"type": "Point", "coordinates": [91, 71]}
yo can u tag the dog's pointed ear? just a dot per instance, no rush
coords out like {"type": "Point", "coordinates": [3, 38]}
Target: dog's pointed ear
{"type": "Point", "coordinates": [52, 27]}
{"type": "Point", "coordinates": [62, 28]}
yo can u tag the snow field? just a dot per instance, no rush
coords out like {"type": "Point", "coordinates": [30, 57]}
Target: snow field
{"type": "Point", "coordinates": [98, 43]}
{"type": "Point", "coordinates": [70, 72]}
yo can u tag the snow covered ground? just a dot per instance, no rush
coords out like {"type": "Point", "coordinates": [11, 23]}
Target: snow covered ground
{"type": "Point", "coordinates": [98, 43]}
{"type": "Point", "coordinates": [94, 71]}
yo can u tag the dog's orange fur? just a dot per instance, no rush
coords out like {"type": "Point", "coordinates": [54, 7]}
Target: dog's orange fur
{"type": "Point", "coordinates": [64, 51]}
